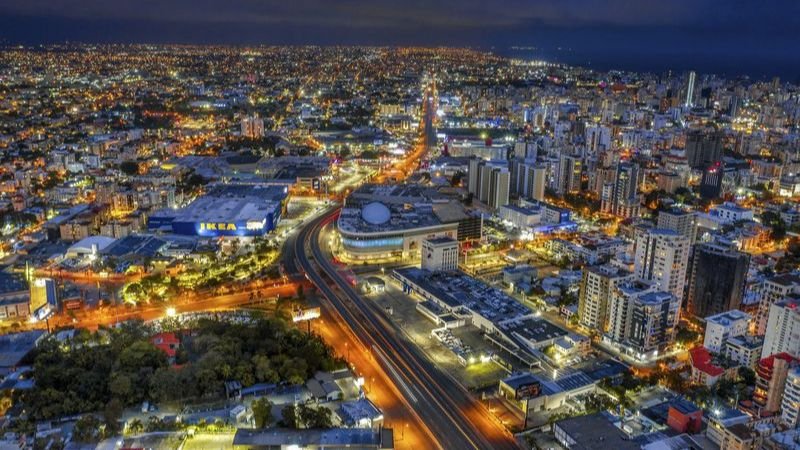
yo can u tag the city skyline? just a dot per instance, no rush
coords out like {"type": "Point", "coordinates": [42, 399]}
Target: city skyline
{"type": "Point", "coordinates": [737, 38]}
{"type": "Point", "coordinates": [488, 225]}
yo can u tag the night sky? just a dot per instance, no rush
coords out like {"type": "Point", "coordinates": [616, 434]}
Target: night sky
{"type": "Point", "coordinates": [759, 38]}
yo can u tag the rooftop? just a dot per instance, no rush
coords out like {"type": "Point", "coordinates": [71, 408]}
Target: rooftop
{"type": "Point", "coordinates": [12, 283]}
{"type": "Point", "coordinates": [702, 361]}
{"type": "Point", "coordinates": [728, 317]}
{"type": "Point", "coordinates": [593, 432]}
{"type": "Point", "coordinates": [341, 437]}
{"type": "Point", "coordinates": [456, 289]}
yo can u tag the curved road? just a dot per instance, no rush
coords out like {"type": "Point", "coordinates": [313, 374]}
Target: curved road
{"type": "Point", "coordinates": [455, 419]}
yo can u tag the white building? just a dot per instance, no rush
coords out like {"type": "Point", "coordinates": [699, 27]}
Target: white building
{"type": "Point", "coordinates": [721, 327]}
{"type": "Point", "coordinates": [662, 256]}
{"type": "Point", "coordinates": [684, 222]}
{"type": "Point", "coordinates": [439, 254]}
{"type": "Point", "coordinates": [790, 405]}
{"type": "Point", "coordinates": [783, 329]}
{"type": "Point", "coordinates": [519, 216]}
{"type": "Point", "coordinates": [744, 350]}
{"type": "Point", "coordinates": [772, 291]}
{"type": "Point", "coordinates": [731, 212]}
{"type": "Point", "coordinates": [597, 285]}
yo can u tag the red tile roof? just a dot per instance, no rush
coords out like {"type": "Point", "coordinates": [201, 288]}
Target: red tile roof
{"type": "Point", "coordinates": [701, 360]}
{"type": "Point", "coordinates": [167, 343]}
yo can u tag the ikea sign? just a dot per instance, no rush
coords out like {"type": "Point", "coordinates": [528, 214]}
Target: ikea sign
{"type": "Point", "coordinates": [217, 226]}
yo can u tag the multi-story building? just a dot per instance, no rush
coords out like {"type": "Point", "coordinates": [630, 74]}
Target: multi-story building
{"type": "Point", "coordinates": [621, 198]}
{"type": "Point", "coordinates": [790, 404]}
{"type": "Point", "coordinates": [703, 148]}
{"type": "Point", "coordinates": [597, 285]}
{"type": "Point", "coordinates": [653, 319]}
{"type": "Point", "coordinates": [771, 291]}
{"type": "Point", "coordinates": [721, 327]}
{"type": "Point", "coordinates": [528, 179]}
{"type": "Point", "coordinates": [717, 279]}
{"type": "Point", "coordinates": [641, 318]}
{"type": "Point", "coordinates": [489, 182]}
{"type": "Point", "coordinates": [771, 375]}
{"type": "Point", "coordinates": [439, 254]}
{"type": "Point", "coordinates": [783, 328]}
{"type": "Point", "coordinates": [744, 350]}
{"type": "Point", "coordinates": [661, 256]}
{"type": "Point", "coordinates": [252, 127]}
{"type": "Point", "coordinates": [679, 220]}
{"type": "Point", "coordinates": [570, 168]}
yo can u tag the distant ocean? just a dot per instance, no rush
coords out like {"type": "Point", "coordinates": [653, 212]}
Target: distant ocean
{"type": "Point", "coordinates": [788, 69]}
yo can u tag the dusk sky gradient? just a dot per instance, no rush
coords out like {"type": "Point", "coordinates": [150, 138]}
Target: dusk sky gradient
{"type": "Point", "coordinates": [761, 38]}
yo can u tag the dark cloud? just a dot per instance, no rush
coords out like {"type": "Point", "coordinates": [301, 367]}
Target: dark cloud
{"type": "Point", "coordinates": [744, 35]}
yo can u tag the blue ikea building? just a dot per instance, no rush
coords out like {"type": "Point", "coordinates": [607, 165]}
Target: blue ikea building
{"type": "Point", "coordinates": [226, 210]}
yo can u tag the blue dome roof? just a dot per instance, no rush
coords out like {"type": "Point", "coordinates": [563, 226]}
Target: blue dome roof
{"type": "Point", "coordinates": [375, 213]}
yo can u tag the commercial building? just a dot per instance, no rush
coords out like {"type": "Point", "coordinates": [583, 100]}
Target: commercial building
{"type": "Point", "coordinates": [717, 281]}
{"type": "Point", "coordinates": [226, 211]}
{"type": "Point", "coordinates": [597, 286]}
{"type": "Point", "coordinates": [14, 297]}
{"type": "Point", "coordinates": [592, 432]}
{"type": "Point", "coordinates": [661, 256]}
{"type": "Point", "coordinates": [723, 326]}
{"type": "Point", "coordinates": [380, 221]}
{"type": "Point", "coordinates": [503, 320]}
{"type": "Point", "coordinates": [711, 181]}
{"type": "Point", "coordinates": [537, 217]}
{"type": "Point", "coordinates": [783, 329]}
{"type": "Point", "coordinates": [44, 298]}
{"type": "Point", "coordinates": [684, 416]}
{"type": "Point", "coordinates": [689, 102]}
{"type": "Point", "coordinates": [439, 254]}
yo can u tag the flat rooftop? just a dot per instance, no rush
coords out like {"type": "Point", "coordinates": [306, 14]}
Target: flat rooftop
{"type": "Point", "coordinates": [231, 203]}
{"type": "Point", "coordinates": [594, 432]}
{"type": "Point", "coordinates": [456, 289]}
{"type": "Point", "coordinates": [11, 283]}
{"type": "Point", "coordinates": [333, 437]}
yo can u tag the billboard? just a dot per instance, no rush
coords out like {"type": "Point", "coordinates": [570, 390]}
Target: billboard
{"type": "Point", "coordinates": [301, 315]}
{"type": "Point", "coordinates": [528, 390]}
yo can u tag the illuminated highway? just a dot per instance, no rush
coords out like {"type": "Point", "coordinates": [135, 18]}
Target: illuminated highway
{"type": "Point", "coordinates": [453, 416]}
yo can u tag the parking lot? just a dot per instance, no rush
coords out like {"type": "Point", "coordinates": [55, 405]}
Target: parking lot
{"type": "Point", "coordinates": [479, 372]}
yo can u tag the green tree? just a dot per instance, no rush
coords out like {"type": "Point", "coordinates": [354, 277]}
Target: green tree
{"type": "Point", "coordinates": [747, 376]}
{"type": "Point", "coordinates": [120, 386]}
{"type": "Point", "coordinates": [87, 429]}
{"type": "Point", "coordinates": [262, 412]}
{"type": "Point", "coordinates": [289, 417]}
{"type": "Point", "coordinates": [112, 414]}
